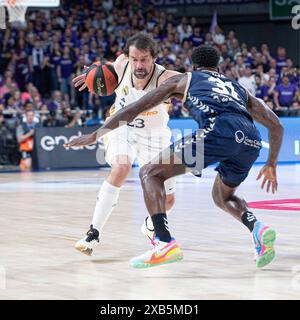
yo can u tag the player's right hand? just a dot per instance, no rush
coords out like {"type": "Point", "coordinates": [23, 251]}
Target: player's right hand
{"type": "Point", "coordinates": [270, 177]}
{"type": "Point", "coordinates": [79, 81]}
{"type": "Point", "coordinates": [82, 141]}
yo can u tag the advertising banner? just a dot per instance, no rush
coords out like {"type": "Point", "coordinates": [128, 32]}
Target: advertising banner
{"type": "Point", "coordinates": [290, 150]}
{"type": "Point", "coordinates": [49, 152]}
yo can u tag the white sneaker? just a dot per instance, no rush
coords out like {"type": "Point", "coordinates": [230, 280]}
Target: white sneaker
{"type": "Point", "coordinates": [161, 253]}
{"type": "Point", "coordinates": [87, 244]}
{"type": "Point", "coordinates": [148, 232]}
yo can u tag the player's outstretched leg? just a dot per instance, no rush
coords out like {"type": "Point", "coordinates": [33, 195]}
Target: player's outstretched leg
{"type": "Point", "coordinates": [165, 250]}
{"type": "Point", "coordinates": [263, 237]}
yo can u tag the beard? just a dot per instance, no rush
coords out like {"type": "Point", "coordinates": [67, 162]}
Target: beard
{"type": "Point", "coordinates": [141, 73]}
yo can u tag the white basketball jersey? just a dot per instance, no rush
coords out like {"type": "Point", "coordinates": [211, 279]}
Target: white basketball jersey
{"type": "Point", "coordinates": [152, 120]}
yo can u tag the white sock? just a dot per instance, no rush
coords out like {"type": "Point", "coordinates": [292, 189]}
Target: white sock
{"type": "Point", "coordinates": [107, 200]}
{"type": "Point", "coordinates": [149, 222]}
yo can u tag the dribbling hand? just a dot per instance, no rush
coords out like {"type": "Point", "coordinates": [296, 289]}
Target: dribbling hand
{"type": "Point", "coordinates": [269, 176]}
{"type": "Point", "coordinates": [79, 81]}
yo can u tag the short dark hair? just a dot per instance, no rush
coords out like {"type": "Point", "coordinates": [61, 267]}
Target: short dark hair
{"type": "Point", "coordinates": [205, 56]}
{"type": "Point", "coordinates": [142, 41]}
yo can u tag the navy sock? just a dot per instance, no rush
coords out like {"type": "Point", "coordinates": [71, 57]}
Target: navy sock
{"type": "Point", "coordinates": [161, 228]}
{"type": "Point", "coordinates": [249, 219]}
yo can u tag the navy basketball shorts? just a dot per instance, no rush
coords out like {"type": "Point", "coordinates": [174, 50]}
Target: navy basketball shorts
{"type": "Point", "coordinates": [233, 142]}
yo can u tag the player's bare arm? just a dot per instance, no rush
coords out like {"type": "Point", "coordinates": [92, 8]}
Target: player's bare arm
{"type": "Point", "coordinates": [166, 75]}
{"type": "Point", "coordinates": [119, 65]}
{"type": "Point", "coordinates": [175, 85]}
{"type": "Point", "coordinates": [261, 113]}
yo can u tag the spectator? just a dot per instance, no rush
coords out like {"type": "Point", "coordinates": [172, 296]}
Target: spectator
{"type": "Point", "coordinates": [71, 120]}
{"type": "Point", "coordinates": [65, 70]}
{"type": "Point", "coordinates": [166, 57]}
{"type": "Point", "coordinates": [46, 80]}
{"type": "Point", "coordinates": [37, 102]}
{"type": "Point", "coordinates": [43, 112]}
{"type": "Point", "coordinates": [270, 104]}
{"type": "Point", "coordinates": [239, 64]}
{"type": "Point", "coordinates": [271, 88]}
{"type": "Point", "coordinates": [56, 101]}
{"type": "Point", "coordinates": [25, 133]}
{"type": "Point", "coordinates": [184, 29]}
{"type": "Point", "coordinates": [224, 52]}
{"type": "Point", "coordinates": [266, 52]}
{"type": "Point", "coordinates": [36, 63]}
{"type": "Point", "coordinates": [234, 48]}
{"type": "Point", "coordinates": [273, 65]}
{"type": "Point", "coordinates": [30, 93]}
{"type": "Point", "coordinates": [218, 36]}
{"type": "Point", "coordinates": [8, 87]}
{"type": "Point", "coordinates": [197, 38]}
{"type": "Point", "coordinates": [18, 104]}
{"type": "Point", "coordinates": [284, 96]}
{"type": "Point", "coordinates": [9, 153]}
{"type": "Point", "coordinates": [52, 120]}
{"type": "Point", "coordinates": [208, 39]}
{"type": "Point", "coordinates": [248, 80]}
{"type": "Point", "coordinates": [295, 109]}
{"type": "Point", "coordinates": [281, 59]}
{"type": "Point", "coordinates": [55, 58]}
{"type": "Point", "coordinates": [261, 89]}
{"type": "Point", "coordinates": [230, 36]}
{"type": "Point", "coordinates": [260, 72]}
{"type": "Point", "coordinates": [22, 64]}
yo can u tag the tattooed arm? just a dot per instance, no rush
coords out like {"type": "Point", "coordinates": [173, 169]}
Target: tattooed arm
{"type": "Point", "coordinates": [175, 85]}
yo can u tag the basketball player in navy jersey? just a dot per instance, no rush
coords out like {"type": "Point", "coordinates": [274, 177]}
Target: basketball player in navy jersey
{"type": "Point", "coordinates": [225, 112]}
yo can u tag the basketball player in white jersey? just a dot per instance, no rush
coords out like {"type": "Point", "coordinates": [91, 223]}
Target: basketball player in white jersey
{"type": "Point", "coordinates": [140, 140]}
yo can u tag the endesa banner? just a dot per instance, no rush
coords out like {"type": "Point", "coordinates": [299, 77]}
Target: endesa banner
{"type": "Point", "coordinates": [169, 3]}
{"type": "Point", "coordinates": [49, 152]}
{"type": "Point", "coordinates": [290, 150]}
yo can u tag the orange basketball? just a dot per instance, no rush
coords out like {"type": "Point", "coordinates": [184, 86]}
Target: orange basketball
{"type": "Point", "coordinates": [101, 79]}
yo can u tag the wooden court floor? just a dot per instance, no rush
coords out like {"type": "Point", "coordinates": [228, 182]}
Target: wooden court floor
{"type": "Point", "coordinates": [43, 214]}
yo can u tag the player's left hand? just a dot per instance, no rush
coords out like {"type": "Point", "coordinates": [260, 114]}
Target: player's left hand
{"type": "Point", "coordinates": [79, 81]}
{"type": "Point", "coordinates": [268, 172]}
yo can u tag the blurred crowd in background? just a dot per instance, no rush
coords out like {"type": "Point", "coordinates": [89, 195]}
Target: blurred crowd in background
{"type": "Point", "coordinates": [38, 62]}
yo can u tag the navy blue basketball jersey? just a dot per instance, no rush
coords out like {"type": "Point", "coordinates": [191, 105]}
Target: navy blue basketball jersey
{"type": "Point", "coordinates": [209, 94]}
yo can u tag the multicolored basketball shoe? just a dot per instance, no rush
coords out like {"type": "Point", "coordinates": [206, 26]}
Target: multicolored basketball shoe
{"type": "Point", "coordinates": [263, 238]}
{"type": "Point", "coordinates": [147, 231]}
{"type": "Point", "coordinates": [162, 253]}
{"type": "Point", "coordinates": [88, 243]}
